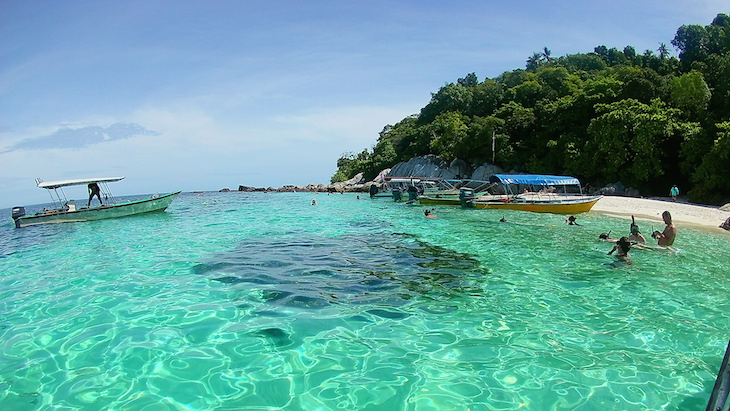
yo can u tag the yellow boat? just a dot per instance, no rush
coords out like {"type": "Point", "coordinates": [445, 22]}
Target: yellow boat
{"type": "Point", "coordinates": [536, 193]}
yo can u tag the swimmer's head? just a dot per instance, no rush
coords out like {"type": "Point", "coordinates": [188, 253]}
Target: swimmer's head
{"type": "Point", "coordinates": [624, 244]}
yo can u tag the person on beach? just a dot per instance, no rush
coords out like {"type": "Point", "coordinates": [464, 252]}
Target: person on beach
{"type": "Point", "coordinates": [636, 236]}
{"type": "Point", "coordinates": [94, 191]}
{"type": "Point", "coordinates": [670, 231]}
{"type": "Point", "coordinates": [674, 192]}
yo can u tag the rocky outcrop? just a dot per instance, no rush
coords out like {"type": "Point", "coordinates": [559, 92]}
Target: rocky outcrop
{"type": "Point", "coordinates": [485, 170]}
{"type": "Point", "coordinates": [424, 166]}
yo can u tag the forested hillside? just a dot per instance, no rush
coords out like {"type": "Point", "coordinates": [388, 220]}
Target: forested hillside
{"type": "Point", "coordinates": [647, 119]}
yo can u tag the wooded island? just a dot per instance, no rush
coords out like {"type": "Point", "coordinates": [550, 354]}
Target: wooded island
{"type": "Point", "coordinates": [647, 120]}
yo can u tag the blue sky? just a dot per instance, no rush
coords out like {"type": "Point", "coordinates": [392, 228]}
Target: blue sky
{"type": "Point", "coordinates": [202, 95]}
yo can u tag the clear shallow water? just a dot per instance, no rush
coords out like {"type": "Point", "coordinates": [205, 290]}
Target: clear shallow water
{"type": "Point", "coordinates": [261, 301]}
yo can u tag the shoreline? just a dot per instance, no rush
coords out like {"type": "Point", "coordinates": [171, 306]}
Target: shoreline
{"type": "Point", "coordinates": [699, 216]}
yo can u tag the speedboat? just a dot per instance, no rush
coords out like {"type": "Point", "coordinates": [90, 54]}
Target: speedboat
{"type": "Point", "coordinates": [537, 193]}
{"type": "Point", "coordinates": [66, 211]}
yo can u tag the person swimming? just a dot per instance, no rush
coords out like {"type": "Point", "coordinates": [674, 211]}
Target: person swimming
{"type": "Point", "coordinates": [623, 245]}
{"type": "Point", "coordinates": [636, 236]}
{"type": "Point", "coordinates": [571, 221]}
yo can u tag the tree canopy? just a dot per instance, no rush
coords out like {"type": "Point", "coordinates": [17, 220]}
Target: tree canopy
{"type": "Point", "coordinates": [647, 119]}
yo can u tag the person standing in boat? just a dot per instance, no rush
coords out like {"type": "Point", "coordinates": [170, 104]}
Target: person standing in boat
{"type": "Point", "coordinates": [94, 191]}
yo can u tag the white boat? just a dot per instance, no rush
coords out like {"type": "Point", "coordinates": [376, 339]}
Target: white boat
{"type": "Point", "coordinates": [66, 211]}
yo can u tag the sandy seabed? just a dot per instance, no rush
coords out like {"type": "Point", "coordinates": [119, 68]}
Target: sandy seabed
{"type": "Point", "coordinates": [699, 216]}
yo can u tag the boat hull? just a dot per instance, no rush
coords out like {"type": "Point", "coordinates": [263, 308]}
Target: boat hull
{"type": "Point", "coordinates": [567, 206]}
{"type": "Point", "coordinates": [443, 200]}
{"type": "Point", "coordinates": [149, 205]}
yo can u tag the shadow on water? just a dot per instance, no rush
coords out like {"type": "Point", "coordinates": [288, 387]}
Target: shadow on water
{"type": "Point", "coordinates": [13, 240]}
{"type": "Point", "coordinates": [316, 272]}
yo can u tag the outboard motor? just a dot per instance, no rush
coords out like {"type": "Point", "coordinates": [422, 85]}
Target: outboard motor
{"type": "Point", "coordinates": [17, 213]}
{"type": "Point", "coordinates": [373, 190]}
{"type": "Point", "coordinates": [397, 194]}
{"type": "Point", "coordinates": [412, 194]}
{"type": "Point", "coordinates": [466, 196]}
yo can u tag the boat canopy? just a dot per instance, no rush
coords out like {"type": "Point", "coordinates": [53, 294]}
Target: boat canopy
{"type": "Point", "coordinates": [534, 179]}
{"type": "Point", "coordinates": [52, 185]}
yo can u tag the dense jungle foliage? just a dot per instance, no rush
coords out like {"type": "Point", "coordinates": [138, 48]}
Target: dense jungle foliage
{"type": "Point", "coordinates": [647, 120]}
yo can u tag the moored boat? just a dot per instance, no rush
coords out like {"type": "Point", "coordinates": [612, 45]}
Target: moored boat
{"type": "Point", "coordinates": [65, 211]}
{"type": "Point", "coordinates": [412, 187]}
{"type": "Point", "coordinates": [453, 193]}
{"type": "Point", "coordinates": [537, 193]}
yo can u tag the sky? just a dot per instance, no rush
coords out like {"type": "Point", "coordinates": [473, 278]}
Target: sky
{"type": "Point", "coordinates": [204, 95]}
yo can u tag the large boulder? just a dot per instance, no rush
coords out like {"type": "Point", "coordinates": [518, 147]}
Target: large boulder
{"type": "Point", "coordinates": [615, 189]}
{"type": "Point", "coordinates": [422, 166]}
{"type": "Point", "coordinates": [485, 170]}
{"type": "Point", "coordinates": [460, 168]}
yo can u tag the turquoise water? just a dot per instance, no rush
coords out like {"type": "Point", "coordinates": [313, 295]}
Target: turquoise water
{"type": "Point", "coordinates": [258, 301]}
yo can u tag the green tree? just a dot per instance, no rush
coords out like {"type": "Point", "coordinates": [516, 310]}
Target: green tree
{"type": "Point", "coordinates": [637, 143]}
{"type": "Point", "coordinates": [487, 97]}
{"type": "Point", "coordinates": [527, 93]}
{"type": "Point", "coordinates": [407, 137]}
{"type": "Point", "coordinates": [691, 94]}
{"type": "Point", "coordinates": [641, 84]}
{"type": "Point", "coordinates": [450, 133]}
{"type": "Point", "coordinates": [451, 97]}
{"type": "Point", "coordinates": [558, 81]}
{"type": "Point", "coordinates": [717, 76]}
{"type": "Point", "coordinates": [483, 133]}
{"type": "Point", "coordinates": [711, 182]}
{"type": "Point", "coordinates": [692, 41]}
{"type": "Point", "coordinates": [630, 52]}
{"type": "Point", "coordinates": [471, 80]}
{"type": "Point", "coordinates": [590, 62]}
{"type": "Point", "coordinates": [533, 62]}
{"type": "Point", "coordinates": [519, 123]}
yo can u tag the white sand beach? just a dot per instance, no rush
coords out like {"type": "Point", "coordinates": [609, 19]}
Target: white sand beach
{"type": "Point", "coordinates": [699, 216]}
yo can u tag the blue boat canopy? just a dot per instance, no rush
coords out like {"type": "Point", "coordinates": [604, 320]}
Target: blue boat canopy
{"type": "Point", "coordinates": [534, 179]}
